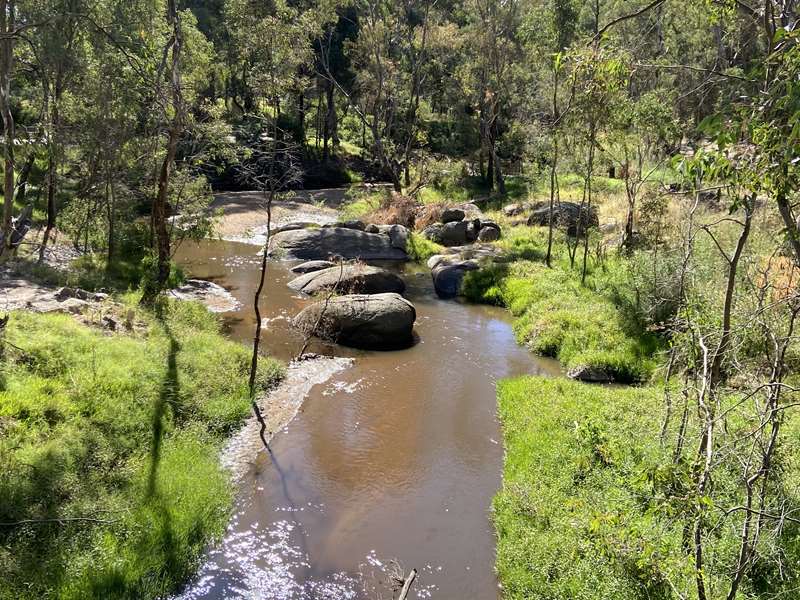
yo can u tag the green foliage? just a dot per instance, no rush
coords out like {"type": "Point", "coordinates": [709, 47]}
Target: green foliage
{"type": "Point", "coordinates": [420, 249]}
{"type": "Point", "coordinates": [590, 498]}
{"type": "Point", "coordinates": [124, 429]}
{"type": "Point", "coordinates": [556, 316]}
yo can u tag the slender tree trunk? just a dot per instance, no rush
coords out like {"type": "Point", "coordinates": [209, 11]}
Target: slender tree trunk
{"type": "Point", "coordinates": [257, 336]}
{"type": "Point", "coordinates": [553, 170]}
{"type": "Point", "coordinates": [301, 120]}
{"type": "Point", "coordinates": [52, 167]}
{"type": "Point", "coordinates": [111, 204]}
{"type": "Point", "coordinates": [7, 24]}
{"type": "Point", "coordinates": [588, 207]}
{"type": "Point", "coordinates": [159, 208]}
{"type": "Point", "coordinates": [790, 223]}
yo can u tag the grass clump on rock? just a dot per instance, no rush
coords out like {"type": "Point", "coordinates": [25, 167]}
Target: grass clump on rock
{"type": "Point", "coordinates": [420, 249]}
{"type": "Point", "coordinates": [110, 481]}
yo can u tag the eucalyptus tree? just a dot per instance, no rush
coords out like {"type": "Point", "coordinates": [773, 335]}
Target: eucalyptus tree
{"type": "Point", "coordinates": [495, 73]}
{"type": "Point", "coordinates": [599, 75]}
{"type": "Point", "coordinates": [388, 57]}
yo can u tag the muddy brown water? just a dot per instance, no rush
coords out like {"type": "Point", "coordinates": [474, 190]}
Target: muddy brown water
{"type": "Point", "coordinates": [390, 464]}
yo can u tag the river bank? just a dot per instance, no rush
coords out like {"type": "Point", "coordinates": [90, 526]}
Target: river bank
{"type": "Point", "coordinates": [111, 480]}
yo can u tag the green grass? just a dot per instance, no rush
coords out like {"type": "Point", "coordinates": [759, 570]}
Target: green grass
{"type": "Point", "coordinates": [124, 429]}
{"type": "Point", "coordinates": [420, 249]}
{"type": "Point", "coordinates": [590, 507]}
{"type": "Point", "coordinates": [557, 316]}
{"type": "Point", "coordinates": [362, 203]}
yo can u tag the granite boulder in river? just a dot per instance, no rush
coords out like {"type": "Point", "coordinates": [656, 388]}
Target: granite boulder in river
{"type": "Point", "coordinates": [320, 243]}
{"type": "Point", "coordinates": [368, 321]}
{"type": "Point", "coordinates": [353, 279]}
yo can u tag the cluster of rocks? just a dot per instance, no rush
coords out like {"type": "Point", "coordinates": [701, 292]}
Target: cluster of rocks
{"type": "Point", "coordinates": [347, 240]}
{"type": "Point", "coordinates": [448, 270]}
{"type": "Point", "coordinates": [370, 313]}
{"type": "Point", "coordinates": [574, 218]}
{"type": "Point", "coordinates": [455, 229]}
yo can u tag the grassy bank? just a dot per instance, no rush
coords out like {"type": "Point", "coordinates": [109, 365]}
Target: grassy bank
{"type": "Point", "coordinates": [110, 483]}
{"type": "Point", "coordinates": [590, 498]}
{"type": "Point", "coordinates": [580, 325]}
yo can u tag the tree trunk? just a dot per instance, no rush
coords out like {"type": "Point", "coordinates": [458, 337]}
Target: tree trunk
{"type": "Point", "coordinates": [301, 120]}
{"type": "Point", "coordinates": [52, 169]}
{"type": "Point", "coordinates": [159, 208]}
{"type": "Point", "coordinates": [791, 225]}
{"type": "Point", "coordinates": [111, 207]}
{"type": "Point", "coordinates": [7, 24]}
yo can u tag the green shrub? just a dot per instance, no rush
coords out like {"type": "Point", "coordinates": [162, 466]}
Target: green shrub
{"type": "Point", "coordinates": [420, 249]}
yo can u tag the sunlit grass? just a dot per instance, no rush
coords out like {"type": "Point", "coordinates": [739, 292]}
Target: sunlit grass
{"type": "Point", "coordinates": [123, 429]}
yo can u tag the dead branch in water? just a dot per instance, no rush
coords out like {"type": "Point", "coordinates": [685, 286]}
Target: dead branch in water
{"type": "Point", "coordinates": [309, 334]}
{"type": "Point", "coordinates": [409, 581]}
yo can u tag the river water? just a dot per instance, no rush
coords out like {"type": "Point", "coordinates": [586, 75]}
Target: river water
{"type": "Point", "coordinates": [390, 465]}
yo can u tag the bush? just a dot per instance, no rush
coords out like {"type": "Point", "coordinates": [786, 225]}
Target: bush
{"type": "Point", "coordinates": [420, 249]}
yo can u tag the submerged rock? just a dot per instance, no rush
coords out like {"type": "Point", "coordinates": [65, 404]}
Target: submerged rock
{"type": "Point", "coordinates": [351, 279]}
{"type": "Point", "coordinates": [312, 265]}
{"type": "Point", "coordinates": [215, 297]}
{"type": "Point", "coordinates": [322, 243]}
{"type": "Point", "coordinates": [378, 321]}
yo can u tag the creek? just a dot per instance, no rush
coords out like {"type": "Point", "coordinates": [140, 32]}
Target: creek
{"type": "Point", "coordinates": [391, 463]}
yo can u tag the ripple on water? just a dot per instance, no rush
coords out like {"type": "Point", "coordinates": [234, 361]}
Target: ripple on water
{"type": "Point", "coordinates": [262, 562]}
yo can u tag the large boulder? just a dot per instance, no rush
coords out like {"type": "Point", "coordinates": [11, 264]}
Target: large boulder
{"type": "Point", "coordinates": [354, 224]}
{"type": "Point", "coordinates": [324, 242]}
{"type": "Point", "coordinates": [590, 374]}
{"type": "Point", "coordinates": [448, 273]}
{"type": "Point", "coordinates": [512, 210]}
{"type": "Point", "coordinates": [398, 235]}
{"type": "Point", "coordinates": [312, 265]}
{"type": "Point", "coordinates": [451, 215]}
{"type": "Point", "coordinates": [350, 279]}
{"type": "Point", "coordinates": [454, 233]}
{"type": "Point", "coordinates": [574, 218]}
{"type": "Point", "coordinates": [378, 321]}
{"type": "Point", "coordinates": [433, 233]}
{"type": "Point", "coordinates": [489, 234]}
{"type": "Point", "coordinates": [292, 226]}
